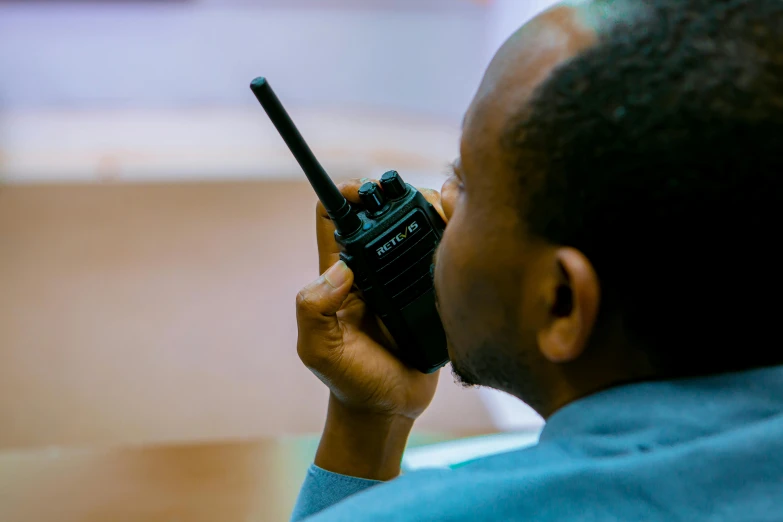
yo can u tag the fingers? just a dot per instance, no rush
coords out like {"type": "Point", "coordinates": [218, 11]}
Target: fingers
{"type": "Point", "coordinates": [433, 196]}
{"type": "Point", "coordinates": [449, 195]}
{"type": "Point", "coordinates": [317, 305]}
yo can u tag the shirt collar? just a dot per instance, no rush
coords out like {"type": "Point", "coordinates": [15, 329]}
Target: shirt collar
{"type": "Point", "coordinates": [673, 410]}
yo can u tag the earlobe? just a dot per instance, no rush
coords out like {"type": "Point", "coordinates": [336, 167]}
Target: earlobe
{"type": "Point", "coordinates": [574, 300]}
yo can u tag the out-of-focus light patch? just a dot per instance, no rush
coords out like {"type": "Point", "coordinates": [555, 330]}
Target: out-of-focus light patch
{"type": "Point", "coordinates": [204, 144]}
{"type": "Point", "coordinates": [509, 413]}
{"type": "Point", "coordinates": [453, 453]}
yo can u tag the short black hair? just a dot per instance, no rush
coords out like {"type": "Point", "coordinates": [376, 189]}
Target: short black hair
{"type": "Point", "coordinates": [658, 153]}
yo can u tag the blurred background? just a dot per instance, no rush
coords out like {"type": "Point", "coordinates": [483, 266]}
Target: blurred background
{"type": "Point", "coordinates": [154, 229]}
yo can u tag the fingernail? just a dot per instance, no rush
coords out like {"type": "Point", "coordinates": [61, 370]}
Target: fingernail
{"type": "Point", "coordinates": [337, 275]}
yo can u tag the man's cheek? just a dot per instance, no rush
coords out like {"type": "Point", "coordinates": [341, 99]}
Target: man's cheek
{"type": "Point", "coordinates": [450, 268]}
{"type": "Point", "coordinates": [442, 276]}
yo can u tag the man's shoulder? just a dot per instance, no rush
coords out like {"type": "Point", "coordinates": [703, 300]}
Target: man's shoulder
{"type": "Point", "coordinates": [590, 478]}
{"type": "Point", "coordinates": [451, 494]}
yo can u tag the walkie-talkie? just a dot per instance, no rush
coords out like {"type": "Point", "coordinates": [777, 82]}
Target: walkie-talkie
{"type": "Point", "coordinates": [389, 245]}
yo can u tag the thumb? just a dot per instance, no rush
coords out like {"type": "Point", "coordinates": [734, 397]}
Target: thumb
{"type": "Point", "coordinates": [317, 305]}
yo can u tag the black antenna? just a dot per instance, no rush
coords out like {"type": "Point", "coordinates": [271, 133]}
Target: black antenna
{"type": "Point", "coordinates": [345, 220]}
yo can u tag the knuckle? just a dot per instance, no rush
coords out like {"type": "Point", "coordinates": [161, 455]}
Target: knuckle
{"type": "Point", "coordinates": [347, 185]}
{"type": "Point", "coordinates": [448, 191]}
{"type": "Point", "coordinates": [305, 305]}
{"type": "Point", "coordinates": [430, 194]}
{"type": "Point", "coordinates": [350, 186]}
{"type": "Point", "coordinates": [451, 182]}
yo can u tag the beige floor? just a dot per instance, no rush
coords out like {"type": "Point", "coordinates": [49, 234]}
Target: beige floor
{"type": "Point", "coordinates": [198, 483]}
{"type": "Point", "coordinates": [248, 481]}
{"type": "Point", "coordinates": [163, 313]}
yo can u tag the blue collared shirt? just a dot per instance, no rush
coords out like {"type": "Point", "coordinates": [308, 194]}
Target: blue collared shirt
{"type": "Point", "coordinates": [694, 449]}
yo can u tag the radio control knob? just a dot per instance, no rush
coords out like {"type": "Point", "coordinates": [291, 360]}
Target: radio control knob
{"type": "Point", "coordinates": [393, 186]}
{"type": "Point", "coordinates": [371, 196]}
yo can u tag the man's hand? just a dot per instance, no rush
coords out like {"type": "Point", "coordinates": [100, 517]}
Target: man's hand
{"type": "Point", "coordinates": [374, 397]}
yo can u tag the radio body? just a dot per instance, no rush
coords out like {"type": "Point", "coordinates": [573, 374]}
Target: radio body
{"type": "Point", "coordinates": [388, 243]}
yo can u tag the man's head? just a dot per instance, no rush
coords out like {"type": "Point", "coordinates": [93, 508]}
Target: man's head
{"type": "Point", "coordinates": [613, 215]}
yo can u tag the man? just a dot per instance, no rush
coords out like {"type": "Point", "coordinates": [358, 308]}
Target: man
{"type": "Point", "coordinates": [610, 258]}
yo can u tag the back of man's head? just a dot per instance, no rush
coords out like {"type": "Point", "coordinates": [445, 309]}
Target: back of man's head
{"type": "Point", "coordinates": [657, 153]}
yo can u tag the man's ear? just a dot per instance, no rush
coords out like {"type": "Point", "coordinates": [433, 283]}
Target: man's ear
{"type": "Point", "coordinates": [573, 299]}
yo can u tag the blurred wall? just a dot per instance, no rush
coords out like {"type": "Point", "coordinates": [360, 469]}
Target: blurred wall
{"type": "Point", "coordinates": [153, 90]}
{"type": "Point", "coordinates": [424, 57]}
{"type": "Point", "coordinates": [141, 313]}
{"type": "Point", "coordinates": [148, 312]}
